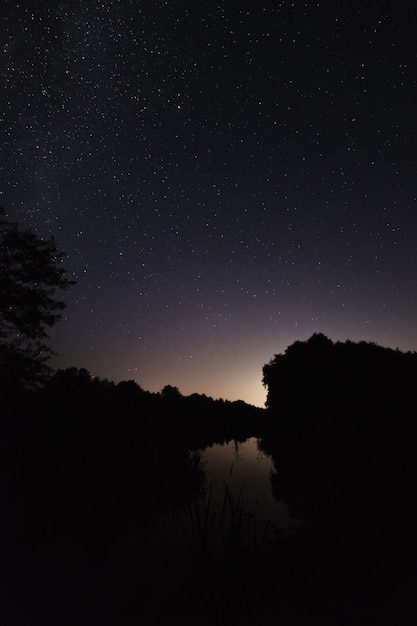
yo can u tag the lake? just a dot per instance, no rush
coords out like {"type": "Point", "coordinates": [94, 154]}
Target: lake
{"type": "Point", "coordinates": [245, 468]}
{"type": "Point", "coordinates": [236, 504]}
{"type": "Point", "coordinates": [242, 466]}
{"type": "Point", "coordinates": [145, 521]}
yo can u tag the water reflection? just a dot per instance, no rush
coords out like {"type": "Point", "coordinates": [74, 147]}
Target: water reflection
{"type": "Point", "coordinates": [243, 465]}
{"type": "Point", "coordinates": [234, 510]}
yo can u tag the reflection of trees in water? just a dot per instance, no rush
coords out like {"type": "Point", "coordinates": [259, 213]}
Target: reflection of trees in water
{"type": "Point", "coordinates": [239, 450]}
{"type": "Point", "coordinates": [261, 454]}
{"type": "Point", "coordinates": [221, 528]}
{"type": "Point", "coordinates": [85, 503]}
{"type": "Point", "coordinates": [88, 497]}
{"type": "Point", "coordinates": [351, 486]}
{"type": "Point", "coordinates": [92, 482]}
{"type": "Point", "coordinates": [236, 448]}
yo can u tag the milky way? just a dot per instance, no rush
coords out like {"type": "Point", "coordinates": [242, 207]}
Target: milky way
{"type": "Point", "coordinates": [225, 177]}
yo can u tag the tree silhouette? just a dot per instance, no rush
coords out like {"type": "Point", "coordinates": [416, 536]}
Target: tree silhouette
{"type": "Point", "coordinates": [31, 270]}
{"type": "Point", "coordinates": [318, 376]}
{"type": "Point", "coordinates": [171, 393]}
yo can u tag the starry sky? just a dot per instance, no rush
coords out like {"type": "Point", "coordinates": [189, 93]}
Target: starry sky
{"type": "Point", "coordinates": [225, 178]}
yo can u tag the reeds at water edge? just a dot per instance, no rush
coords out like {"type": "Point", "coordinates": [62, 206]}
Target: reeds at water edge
{"type": "Point", "coordinates": [221, 532]}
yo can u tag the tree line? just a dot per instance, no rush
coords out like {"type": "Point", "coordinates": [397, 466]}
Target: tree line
{"type": "Point", "coordinates": [319, 376]}
{"type": "Point", "coordinates": [93, 467]}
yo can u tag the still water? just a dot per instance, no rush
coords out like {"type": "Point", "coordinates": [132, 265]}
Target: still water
{"type": "Point", "coordinates": [245, 469]}
{"type": "Point", "coordinates": [235, 502]}
{"type": "Point", "coordinates": [237, 498]}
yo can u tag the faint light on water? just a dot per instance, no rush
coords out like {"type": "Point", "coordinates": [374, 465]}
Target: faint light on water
{"type": "Point", "coordinates": [244, 468]}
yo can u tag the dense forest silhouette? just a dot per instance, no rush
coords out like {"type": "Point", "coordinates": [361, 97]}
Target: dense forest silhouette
{"type": "Point", "coordinates": [100, 481]}
{"type": "Point", "coordinates": [319, 376]}
{"type": "Point", "coordinates": [91, 468]}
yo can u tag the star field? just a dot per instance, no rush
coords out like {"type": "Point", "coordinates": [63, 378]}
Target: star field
{"type": "Point", "coordinates": [225, 177]}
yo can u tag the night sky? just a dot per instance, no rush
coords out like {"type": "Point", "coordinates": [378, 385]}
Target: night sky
{"type": "Point", "coordinates": [225, 178]}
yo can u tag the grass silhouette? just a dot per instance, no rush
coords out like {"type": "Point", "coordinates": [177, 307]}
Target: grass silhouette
{"type": "Point", "coordinates": [221, 533]}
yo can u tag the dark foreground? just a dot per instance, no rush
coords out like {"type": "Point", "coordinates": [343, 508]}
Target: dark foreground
{"type": "Point", "coordinates": [82, 499]}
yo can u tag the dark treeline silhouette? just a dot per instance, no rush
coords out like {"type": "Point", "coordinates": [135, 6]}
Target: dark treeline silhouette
{"type": "Point", "coordinates": [91, 472]}
{"type": "Point", "coordinates": [342, 434]}
{"type": "Point", "coordinates": [76, 392]}
{"type": "Point", "coordinates": [97, 466]}
{"type": "Point", "coordinates": [319, 376]}
{"type": "Point", "coordinates": [352, 484]}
